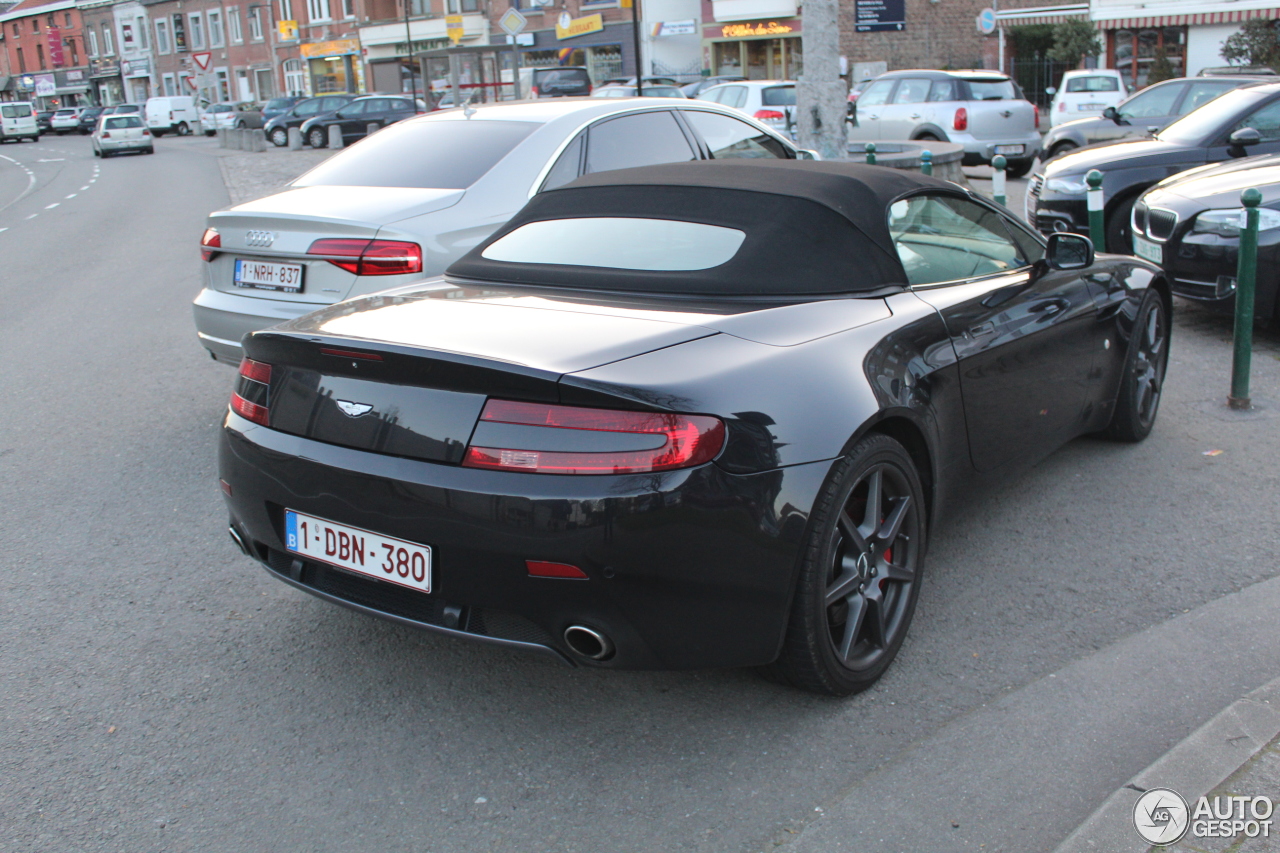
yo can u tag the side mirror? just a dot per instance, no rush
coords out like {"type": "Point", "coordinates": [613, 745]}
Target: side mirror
{"type": "Point", "coordinates": [1243, 137]}
{"type": "Point", "coordinates": [807, 154]}
{"type": "Point", "coordinates": [1111, 113]}
{"type": "Point", "coordinates": [1068, 251]}
{"type": "Point", "coordinates": [1051, 90]}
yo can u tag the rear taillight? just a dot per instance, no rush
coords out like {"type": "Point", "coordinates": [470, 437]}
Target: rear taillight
{"type": "Point", "coordinates": [961, 120]}
{"type": "Point", "coordinates": [1037, 109]}
{"type": "Point", "coordinates": [533, 90]}
{"type": "Point", "coordinates": [249, 400]}
{"type": "Point", "coordinates": [210, 241]}
{"type": "Point", "coordinates": [1062, 107]}
{"type": "Point", "coordinates": [638, 442]}
{"type": "Point", "coordinates": [146, 132]}
{"type": "Point", "coordinates": [770, 115]}
{"type": "Point", "coordinates": [370, 257]}
{"type": "Point", "coordinates": [106, 135]}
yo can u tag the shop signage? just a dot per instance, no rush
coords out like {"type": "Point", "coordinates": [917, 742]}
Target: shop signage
{"type": "Point", "coordinates": [330, 48]}
{"type": "Point", "coordinates": [55, 47]}
{"type": "Point", "coordinates": [137, 68]}
{"type": "Point", "coordinates": [75, 76]}
{"type": "Point", "coordinates": [45, 86]}
{"type": "Point", "coordinates": [675, 28]}
{"type": "Point", "coordinates": [103, 68]}
{"type": "Point", "coordinates": [876, 16]}
{"type": "Point", "coordinates": [287, 30]}
{"type": "Point", "coordinates": [420, 46]}
{"type": "Point", "coordinates": [580, 26]}
{"type": "Point", "coordinates": [453, 28]}
{"type": "Point", "coordinates": [761, 28]}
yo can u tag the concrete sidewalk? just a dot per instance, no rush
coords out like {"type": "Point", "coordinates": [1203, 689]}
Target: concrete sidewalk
{"type": "Point", "coordinates": [253, 175]}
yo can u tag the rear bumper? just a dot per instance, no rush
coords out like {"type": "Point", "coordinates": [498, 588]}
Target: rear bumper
{"type": "Point", "coordinates": [687, 569]}
{"type": "Point", "coordinates": [223, 319]}
{"type": "Point", "coordinates": [978, 152]}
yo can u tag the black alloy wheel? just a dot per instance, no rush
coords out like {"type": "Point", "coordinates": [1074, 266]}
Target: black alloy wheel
{"type": "Point", "coordinates": [317, 138]}
{"type": "Point", "coordinates": [1144, 371]}
{"type": "Point", "coordinates": [861, 575]}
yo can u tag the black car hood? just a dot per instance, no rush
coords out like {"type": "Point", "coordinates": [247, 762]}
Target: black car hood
{"type": "Point", "coordinates": [1220, 185]}
{"type": "Point", "coordinates": [1123, 154]}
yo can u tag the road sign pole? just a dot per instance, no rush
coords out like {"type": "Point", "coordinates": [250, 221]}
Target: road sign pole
{"type": "Point", "coordinates": [635, 33]}
{"type": "Point", "coordinates": [1246, 276]}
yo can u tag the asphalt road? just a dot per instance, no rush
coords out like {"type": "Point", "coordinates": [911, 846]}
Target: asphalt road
{"type": "Point", "coordinates": [160, 692]}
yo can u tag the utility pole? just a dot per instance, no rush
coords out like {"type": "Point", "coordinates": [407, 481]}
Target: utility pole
{"type": "Point", "coordinates": [820, 93]}
{"type": "Point", "coordinates": [635, 32]}
{"type": "Point", "coordinates": [408, 48]}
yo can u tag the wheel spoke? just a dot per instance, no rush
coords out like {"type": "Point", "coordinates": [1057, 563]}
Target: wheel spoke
{"type": "Point", "coordinates": [893, 524]}
{"type": "Point", "coordinates": [845, 584]}
{"type": "Point", "coordinates": [852, 625]}
{"type": "Point", "coordinates": [875, 617]}
{"type": "Point", "coordinates": [851, 532]}
{"type": "Point", "coordinates": [895, 572]}
{"type": "Point", "coordinates": [871, 518]}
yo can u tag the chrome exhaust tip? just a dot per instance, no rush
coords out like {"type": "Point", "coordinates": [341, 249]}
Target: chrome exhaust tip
{"type": "Point", "coordinates": [588, 642]}
{"type": "Point", "coordinates": [239, 540]}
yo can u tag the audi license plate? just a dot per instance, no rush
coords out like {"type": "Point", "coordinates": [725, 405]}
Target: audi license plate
{"type": "Point", "coordinates": [1153, 252]}
{"type": "Point", "coordinates": [268, 276]}
{"type": "Point", "coordinates": [1010, 149]}
{"type": "Point", "coordinates": [360, 551]}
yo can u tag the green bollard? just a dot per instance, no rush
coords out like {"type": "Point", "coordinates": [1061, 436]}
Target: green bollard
{"type": "Point", "coordinates": [926, 162]}
{"type": "Point", "coordinates": [999, 164]}
{"type": "Point", "coordinates": [1097, 226]}
{"type": "Point", "coordinates": [871, 153]}
{"type": "Point", "coordinates": [1246, 277]}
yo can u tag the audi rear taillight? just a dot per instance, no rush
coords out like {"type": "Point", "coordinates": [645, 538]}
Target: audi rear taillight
{"type": "Point", "coordinates": [538, 438]}
{"type": "Point", "coordinates": [208, 242]}
{"type": "Point", "coordinates": [249, 400]}
{"type": "Point", "coordinates": [370, 257]}
{"type": "Point", "coordinates": [146, 132]}
{"type": "Point", "coordinates": [961, 120]}
{"type": "Point", "coordinates": [106, 135]}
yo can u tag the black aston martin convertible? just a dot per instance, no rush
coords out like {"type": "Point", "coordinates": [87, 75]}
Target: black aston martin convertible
{"type": "Point", "coordinates": [694, 415]}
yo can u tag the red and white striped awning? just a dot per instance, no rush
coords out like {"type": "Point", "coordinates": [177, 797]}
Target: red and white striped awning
{"type": "Point", "coordinates": [1041, 14]}
{"type": "Point", "coordinates": [1188, 20]}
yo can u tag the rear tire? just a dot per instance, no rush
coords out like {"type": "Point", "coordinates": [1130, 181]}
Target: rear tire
{"type": "Point", "coordinates": [1018, 168]}
{"type": "Point", "coordinates": [1062, 148]}
{"type": "Point", "coordinates": [183, 129]}
{"type": "Point", "coordinates": [927, 137]}
{"type": "Point", "coordinates": [317, 138]}
{"type": "Point", "coordinates": [860, 579]}
{"type": "Point", "coordinates": [1144, 370]}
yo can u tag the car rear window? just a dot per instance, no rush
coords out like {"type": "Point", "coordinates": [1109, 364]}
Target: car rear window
{"type": "Point", "coordinates": [422, 154]}
{"type": "Point", "coordinates": [15, 111]}
{"type": "Point", "coordinates": [564, 76]}
{"type": "Point", "coordinates": [992, 90]}
{"type": "Point", "coordinates": [621, 243]}
{"type": "Point", "coordinates": [277, 104]}
{"type": "Point", "coordinates": [65, 113]}
{"type": "Point", "coordinates": [778, 96]}
{"type": "Point", "coordinates": [121, 122]}
{"type": "Point", "coordinates": [1093, 84]}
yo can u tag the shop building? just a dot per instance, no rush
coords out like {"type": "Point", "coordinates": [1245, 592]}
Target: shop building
{"type": "Point", "coordinates": [598, 36]}
{"type": "Point", "coordinates": [133, 36]}
{"type": "Point", "coordinates": [45, 53]}
{"type": "Point", "coordinates": [756, 39]}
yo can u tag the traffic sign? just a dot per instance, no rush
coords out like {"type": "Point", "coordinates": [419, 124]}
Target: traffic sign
{"type": "Point", "coordinates": [513, 23]}
{"type": "Point", "coordinates": [202, 60]}
{"type": "Point", "coordinates": [987, 21]}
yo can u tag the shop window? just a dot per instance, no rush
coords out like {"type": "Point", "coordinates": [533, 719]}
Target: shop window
{"type": "Point", "coordinates": [1133, 51]}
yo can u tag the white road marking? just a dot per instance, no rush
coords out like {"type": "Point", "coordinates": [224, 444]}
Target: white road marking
{"type": "Point", "coordinates": [83, 188]}
{"type": "Point", "coordinates": [52, 206]}
{"type": "Point", "coordinates": [2, 230]}
{"type": "Point", "coordinates": [33, 216]}
{"type": "Point", "coordinates": [73, 195]}
{"type": "Point", "coordinates": [52, 160]}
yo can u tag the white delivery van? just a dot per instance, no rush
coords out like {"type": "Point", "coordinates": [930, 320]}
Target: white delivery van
{"type": "Point", "coordinates": [18, 121]}
{"type": "Point", "coordinates": [175, 113]}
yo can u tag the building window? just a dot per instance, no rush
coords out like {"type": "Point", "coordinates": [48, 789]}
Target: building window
{"type": "Point", "coordinates": [293, 77]}
{"type": "Point", "coordinates": [348, 8]}
{"type": "Point", "coordinates": [1132, 52]}
{"type": "Point", "coordinates": [286, 10]}
{"type": "Point", "coordinates": [318, 10]}
{"type": "Point", "coordinates": [233, 25]}
{"type": "Point", "coordinates": [196, 31]}
{"type": "Point", "coordinates": [458, 7]}
{"type": "Point", "coordinates": [108, 46]}
{"type": "Point", "coordinates": [66, 16]}
{"type": "Point", "coordinates": [17, 31]}
{"type": "Point", "coordinates": [126, 38]}
{"type": "Point", "coordinates": [93, 43]}
{"type": "Point", "coordinates": [144, 41]}
{"type": "Point", "coordinates": [75, 57]}
{"type": "Point", "coordinates": [215, 28]}
{"type": "Point", "coordinates": [255, 23]}
{"type": "Point", "coordinates": [50, 19]}
{"type": "Point", "coordinates": [22, 63]}
{"type": "Point", "coordinates": [162, 36]}
{"type": "Point", "coordinates": [40, 55]}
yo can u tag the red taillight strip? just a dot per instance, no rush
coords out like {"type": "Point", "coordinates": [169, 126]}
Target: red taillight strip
{"type": "Point", "coordinates": [209, 241]}
{"type": "Point", "coordinates": [690, 440]}
{"type": "Point", "coordinates": [543, 569]}
{"type": "Point", "coordinates": [256, 371]}
{"type": "Point", "coordinates": [369, 257]}
{"type": "Point", "coordinates": [346, 353]}
{"type": "Point", "coordinates": [252, 411]}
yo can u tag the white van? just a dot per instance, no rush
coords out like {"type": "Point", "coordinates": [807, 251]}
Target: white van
{"type": "Point", "coordinates": [18, 121]}
{"type": "Point", "coordinates": [176, 113]}
{"type": "Point", "coordinates": [1085, 94]}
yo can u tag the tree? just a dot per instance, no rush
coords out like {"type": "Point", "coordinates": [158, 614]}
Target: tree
{"type": "Point", "coordinates": [1074, 39]}
{"type": "Point", "coordinates": [1160, 69]}
{"type": "Point", "coordinates": [1257, 43]}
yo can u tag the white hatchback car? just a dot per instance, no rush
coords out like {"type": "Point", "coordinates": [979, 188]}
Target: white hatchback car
{"type": "Point", "coordinates": [1085, 94]}
{"type": "Point", "coordinates": [66, 120]}
{"type": "Point", "coordinates": [770, 102]}
{"type": "Point", "coordinates": [116, 133]}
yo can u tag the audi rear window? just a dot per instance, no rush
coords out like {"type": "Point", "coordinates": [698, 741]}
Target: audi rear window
{"type": "Point", "coordinates": [992, 90]}
{"type": "Point", "coordinates": [449, 155]}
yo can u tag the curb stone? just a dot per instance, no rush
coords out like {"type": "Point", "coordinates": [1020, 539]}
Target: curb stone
{"type": "Point", "coordinates": [1193, 768]}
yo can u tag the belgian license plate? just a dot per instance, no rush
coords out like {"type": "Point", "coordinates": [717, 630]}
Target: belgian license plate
{"type": "Point", "coordinates": [1153, 252]}
{"type": "Point", "coordinates": [360, 551]}
{"type": "Point", "coordinates": [1010, 149]}
{"type": "Point", "coordinates": [1092, 107]}
{"type": "Point", "coordinates": [268, 276]}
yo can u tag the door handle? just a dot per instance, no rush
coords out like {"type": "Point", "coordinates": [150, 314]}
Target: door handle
{"type": "Point", "coordinates": [871, 116]}
{"type": "Point", "coordinates": [987, 328]}
{"type": "Point", "coordinates": [915, 115]}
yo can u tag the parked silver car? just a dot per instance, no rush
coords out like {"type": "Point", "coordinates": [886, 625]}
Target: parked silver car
{"type": "Point", "coordinates": [403, 204]}
{"type": "Point", "coordinates": [982, 110]}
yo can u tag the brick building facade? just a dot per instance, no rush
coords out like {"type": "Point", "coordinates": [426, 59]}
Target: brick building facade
{"type": "Point", "coordinates": [45, 53]}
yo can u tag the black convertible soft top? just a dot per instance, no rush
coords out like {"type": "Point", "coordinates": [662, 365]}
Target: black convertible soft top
{"type": "Point", "coordinates": [811, 227]}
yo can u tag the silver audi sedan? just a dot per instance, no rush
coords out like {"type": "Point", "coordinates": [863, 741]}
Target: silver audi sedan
{"type": "Point", "coordinates": [406, 202]}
